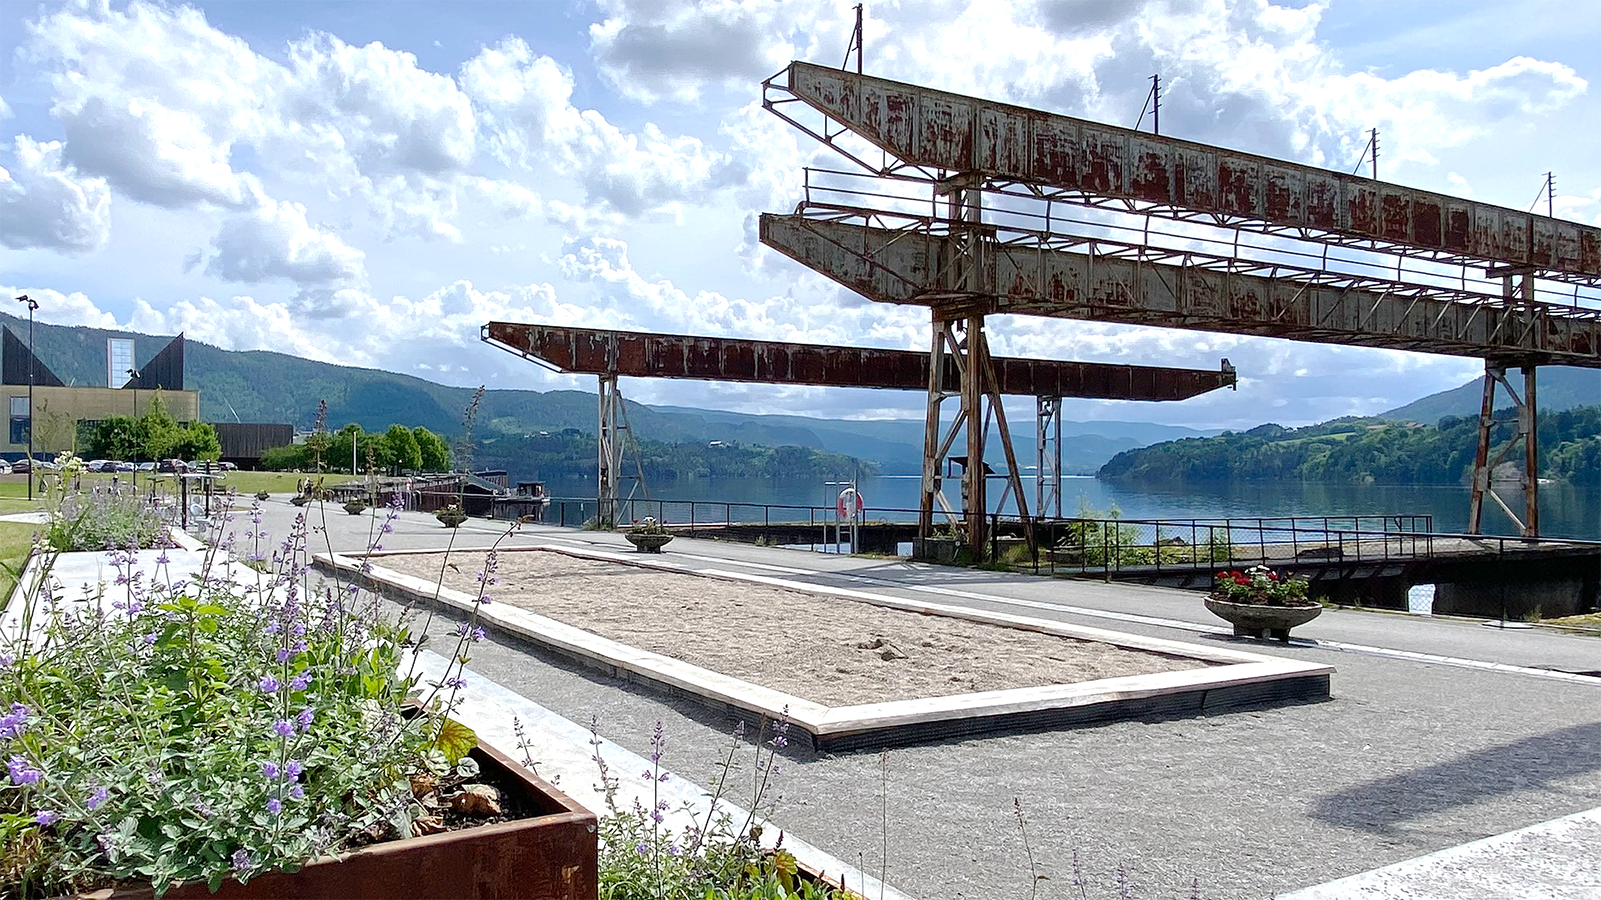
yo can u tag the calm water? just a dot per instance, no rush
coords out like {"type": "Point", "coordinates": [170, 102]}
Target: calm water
{"type": "Point", "coordinates": [1565, 510]}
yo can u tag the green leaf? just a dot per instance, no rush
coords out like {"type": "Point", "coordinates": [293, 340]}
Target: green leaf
{"type": "Point", "coordinates": [455, 740]}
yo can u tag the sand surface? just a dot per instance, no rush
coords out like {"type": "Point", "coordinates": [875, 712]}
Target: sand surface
{"type": "Point", "coordinates": [813, 646]}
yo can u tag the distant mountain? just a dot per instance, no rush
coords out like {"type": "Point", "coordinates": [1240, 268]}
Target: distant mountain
{"type": "Point", "coordinates": [265, 386]}
{"type": "Point", "coordinates": [1557, 388]}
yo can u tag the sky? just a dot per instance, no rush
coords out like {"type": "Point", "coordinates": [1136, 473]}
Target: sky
{"type": "Point", "coordinates": [369, 183]}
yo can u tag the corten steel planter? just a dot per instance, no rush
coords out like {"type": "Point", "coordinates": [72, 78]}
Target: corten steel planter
{"type": "Point", "coordinates": [647, 543]}
{"type": "Point", "coordinates": [1253, 620]}
{"type": "Point", "coordinates": [549, 856]}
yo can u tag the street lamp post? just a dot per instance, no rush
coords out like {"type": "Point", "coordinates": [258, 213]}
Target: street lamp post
{"type": "Point", "coordinates": [132, 374]}
{"type": "Point", "coordinates": [32, 364]}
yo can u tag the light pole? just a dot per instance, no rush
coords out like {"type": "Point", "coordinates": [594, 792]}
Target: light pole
{"type": "Point", "coordinates": [32, 364]}
{"type": "Point", "coordinates": [133, 374]}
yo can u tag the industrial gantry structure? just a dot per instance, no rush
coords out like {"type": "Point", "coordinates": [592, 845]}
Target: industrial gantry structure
{"type": "Point", "coordinates": [609, 354]}
{"type": "Point", "coordinates": [974, 208]}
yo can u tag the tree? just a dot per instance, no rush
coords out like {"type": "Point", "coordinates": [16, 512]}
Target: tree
{"type": "Point", "coordinates": [198, 440]}
{"type": "Point", "coordinates": [157, 433]}
{"type": "Point", "coordinates": [113, 438]}
{"type": "Point", "coordinates": [433, 449]}
{"type": "Point", "coordinates": [401, 449]}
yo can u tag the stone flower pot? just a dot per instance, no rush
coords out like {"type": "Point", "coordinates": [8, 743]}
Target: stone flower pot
{"type": "Point", "coordinates": [1259, 621]}
{"type": "Point", "coordinates": [300, 499]}
{"type": "Point", "coordinates": [648, 542]}
{"type": "Point", "coordinates": [549, 854]}
{"type": "Point", "coordinates": [263, 495]}
{"type": "Point", "coordinates": [451, 518]}
{"type": "Point", "coordinates": [356, 507]}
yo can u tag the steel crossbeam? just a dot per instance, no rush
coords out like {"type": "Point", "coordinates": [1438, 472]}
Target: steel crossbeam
{"type": "Point", "coordinates": [928, 134]}
{"type": "Point", "coordinates": [1111, 282]}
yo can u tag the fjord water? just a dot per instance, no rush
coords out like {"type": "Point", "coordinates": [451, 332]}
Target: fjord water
{"type": "Point", "coordinates": [1565, 510]}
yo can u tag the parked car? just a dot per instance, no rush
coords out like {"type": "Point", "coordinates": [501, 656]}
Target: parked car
{"type": "Point", "coordinates": [21, 467]}
{"type": "Point", "coordinates": [147, 467]}
{"type": "Point", "coordinates": [5, 467]}
{"type": "Point", "coordinates": [227, 466]}
{"type": "Point", "coordinates": [174, 465]}
{"type": "Point", "coordinates": [124, 466]}
{"type": "Point", "coordinates": [100, 465]}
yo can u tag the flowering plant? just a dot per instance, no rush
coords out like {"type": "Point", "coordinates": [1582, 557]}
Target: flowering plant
{"type": "Point", "coordinates": [647, 525]}
{"type": "Point", "coordinates": [224, 724]}
{"type": "Point", "coordinates": [1259, 586]}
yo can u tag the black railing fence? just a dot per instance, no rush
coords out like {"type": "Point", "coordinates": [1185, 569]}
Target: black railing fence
{"type": "Point", "coordinates": [1088, 545]}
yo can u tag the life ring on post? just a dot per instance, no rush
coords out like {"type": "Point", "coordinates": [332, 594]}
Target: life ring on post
{"type": "Point", "coordinates": [850, 505]}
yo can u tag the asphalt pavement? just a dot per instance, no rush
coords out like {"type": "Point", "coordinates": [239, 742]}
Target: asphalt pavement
{"type": "Point", "coordinates": [1440, 732]}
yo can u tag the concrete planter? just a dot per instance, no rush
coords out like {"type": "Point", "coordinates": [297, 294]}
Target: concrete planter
{"type": "Point", "coordinates": [550, 854]}
{"type": "Point", "coordinates": [1254, 620]}
{"type": "Point", "coordinates": [356, 507]}
{"type": "Point", "coordinates": [647, 543]}
{"type": "Point", "coordinates": [451, 518]}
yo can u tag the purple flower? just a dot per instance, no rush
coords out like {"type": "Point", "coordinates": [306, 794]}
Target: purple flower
{"type": "Point", "coordinates": [97, 797]}
{"type": "Point", "coordinates": [6, 660]}
{"type": "Point", "coordinates": [268, 684]}
{"type": "Point", "coordinates": [150, 638]}
{"type": "Point", "coordinates": [283, 729]}
{"type": "Point", "coordinates": [300, 681]}
{"type": "Point", "coordinates": [270, 770]}
{"type": "Point", "coordinates": [282, 655]}
{"type": "Point", "coordinates": [293, 769]}
{"type": "Point", "coordinates": [304, 719]}
{"type": "Point", "coordinates": [275, 806]}
{"type": "Point", "coordinates": [478, 634]}
{"type": "Point", "coordinates": [22, 773]}
{"type": "Point", "coordinates": [242, 860]}
{"type": "Point", "coordinates": [297, 792]}
{"type": "Point", "coordinates": [45, 817]}
{"type": "Point", "coordinates": [15, 722]}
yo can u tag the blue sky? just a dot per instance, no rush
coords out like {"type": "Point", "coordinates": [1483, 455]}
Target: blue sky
{"type": "Point", "coordinates": [368, 183]}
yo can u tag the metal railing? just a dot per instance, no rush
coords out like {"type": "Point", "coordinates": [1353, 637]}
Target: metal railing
{"type": "Point", "coordinates": [1112, 546]}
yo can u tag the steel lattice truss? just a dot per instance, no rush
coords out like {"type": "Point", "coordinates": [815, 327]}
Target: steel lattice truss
{"type": "Point", "coordinates": [1079, 277]}
{"type": "Point", "coordinates": [931, 135]}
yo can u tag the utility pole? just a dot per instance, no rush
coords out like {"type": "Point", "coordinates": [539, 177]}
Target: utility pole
{"type": "Point", "coordinates": [33, 363]}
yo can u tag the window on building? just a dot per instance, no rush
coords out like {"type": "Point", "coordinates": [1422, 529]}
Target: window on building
{"type": "Point", "coordinates": [119, 361]}
{"type": "Point", "coordinates": [21, 420]}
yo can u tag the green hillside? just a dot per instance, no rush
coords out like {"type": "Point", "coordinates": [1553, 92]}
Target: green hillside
{"type": "Point", "coordinates": [1559, 388]}
{"type": "Point", "coordinates": [1364, 450]}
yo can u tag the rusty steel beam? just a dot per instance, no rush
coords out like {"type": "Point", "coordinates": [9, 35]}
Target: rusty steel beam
{"type": "Point", "coordinates": [1107, 282]}
{"type": "Point", "coordinates": [645, 355]}
{"type": "Point", "coordinates": [940, 134]}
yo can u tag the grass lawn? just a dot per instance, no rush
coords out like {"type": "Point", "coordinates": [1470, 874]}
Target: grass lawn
{"type": "Point", "coordinates": [16, 538]}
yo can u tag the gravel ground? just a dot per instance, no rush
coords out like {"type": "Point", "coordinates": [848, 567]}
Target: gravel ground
{"type": "Point", "coordinates": [823, 649]}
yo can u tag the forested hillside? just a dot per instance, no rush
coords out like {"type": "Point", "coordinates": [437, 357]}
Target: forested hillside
{"type": "Point", "coordinates": [570, 453]}
{"type": "Point", "coordinates": [1365, 450]}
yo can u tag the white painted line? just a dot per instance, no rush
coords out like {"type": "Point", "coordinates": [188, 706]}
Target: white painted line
{"type": "Point", "coordinates": [1157, 621]}
{"type": "Point", "coordinates": [1553, 860]}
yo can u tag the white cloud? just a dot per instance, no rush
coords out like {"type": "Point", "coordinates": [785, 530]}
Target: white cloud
{"type": "Point", "coordinates": [275, 241]}
{"type": "Point", "coordinates": [527, 111]}
{"type": "Point", "coordinates": [46, 203]}
{"type": "Point", "coordinates": [648, 51]}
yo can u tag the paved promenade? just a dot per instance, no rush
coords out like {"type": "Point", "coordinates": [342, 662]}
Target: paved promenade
{"type": "Point", "coordinates": [1440, 733]}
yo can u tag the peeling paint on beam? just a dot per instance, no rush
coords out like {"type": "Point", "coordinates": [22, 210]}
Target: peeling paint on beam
{"type": "Point", "coordinates": [893, 266]}
{"type": "Point", "coordinates": [959, 134]}
{"type": "Point", "coordinates": [646, 355]}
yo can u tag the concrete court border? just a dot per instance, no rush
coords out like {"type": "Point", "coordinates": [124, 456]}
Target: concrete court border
{"type": "Point", "coordinates": [1239, 679]}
